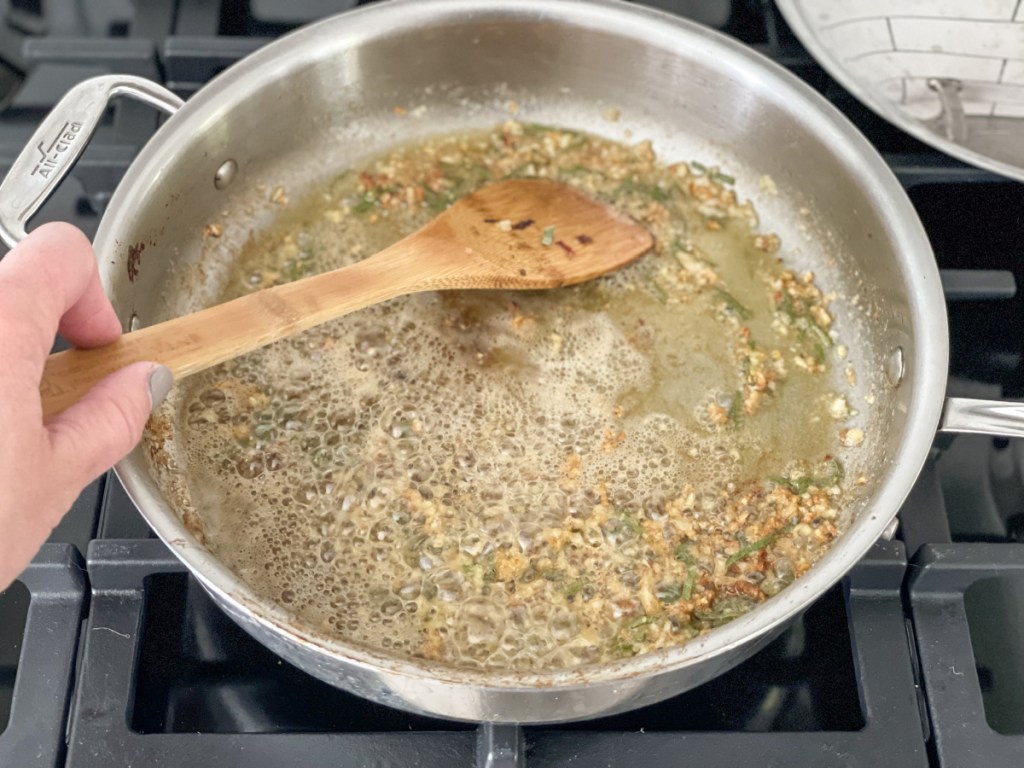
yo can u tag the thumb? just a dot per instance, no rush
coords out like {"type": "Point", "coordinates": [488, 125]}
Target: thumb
{"type": "Point", "coordinates": [92, 435]}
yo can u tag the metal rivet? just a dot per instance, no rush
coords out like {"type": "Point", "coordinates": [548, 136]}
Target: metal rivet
{"type": "Point", "coordinates": [225, 174]}
{"type": "Point", "coordinates": [895, 367]}
{"type": "Point", "coordinates": [134, 323]}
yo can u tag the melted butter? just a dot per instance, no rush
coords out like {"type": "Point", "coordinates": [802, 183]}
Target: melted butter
{"type": "Point", "coordinates": [490, 479]}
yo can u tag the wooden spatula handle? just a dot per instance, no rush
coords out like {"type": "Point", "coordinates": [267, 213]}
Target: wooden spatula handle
{"type": "Point", "coordinates": [501, 236]}
{"type": "Point", "coordinates": [197, 341]}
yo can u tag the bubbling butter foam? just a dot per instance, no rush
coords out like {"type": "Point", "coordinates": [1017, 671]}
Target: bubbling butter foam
{"type": "Point", "coordinates": [486, 478]}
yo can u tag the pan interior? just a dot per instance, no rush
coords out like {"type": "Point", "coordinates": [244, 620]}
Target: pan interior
{"type": "Point", "coordinates": [336, 94]}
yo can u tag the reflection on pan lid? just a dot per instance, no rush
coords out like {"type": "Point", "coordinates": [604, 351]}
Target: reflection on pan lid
{"type": "Point", "coordinates": [950, 73]}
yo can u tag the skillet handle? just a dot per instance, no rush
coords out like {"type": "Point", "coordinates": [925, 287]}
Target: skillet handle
{"type": "Point", "coordinates": [983, 417]}
{"type": "Point", "coordinates": [61, 139]}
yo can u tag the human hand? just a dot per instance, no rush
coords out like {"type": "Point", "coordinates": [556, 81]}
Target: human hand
{"type": "Point", "coordinates": [50, 282]}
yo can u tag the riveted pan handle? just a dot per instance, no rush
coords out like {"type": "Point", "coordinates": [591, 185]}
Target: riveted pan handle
{"type": "Point", "coordinates": [61, 139]}
{"type": "Point", "coordinates": [998, 418]}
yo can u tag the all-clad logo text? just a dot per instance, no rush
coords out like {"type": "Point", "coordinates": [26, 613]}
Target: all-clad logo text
{"type": "Point", "coordinates": [51, 155]}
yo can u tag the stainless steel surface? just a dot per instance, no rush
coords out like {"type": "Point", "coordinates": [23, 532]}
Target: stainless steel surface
{"type": "Point", "coordinates": [695, 94]}
{"type": "Point", "coordinates": [895, 367]}
{"type": "Point", "coordinates": [889, 532]}
{"type": "Point", "coordinates": [983, 417]}
{"type": "Point", "coordinates": [225, 174]}
{"type": "Point", "coordinates": [947, 72]}
{"type": "Point", "coordinates": [61, 139]}
{"type": "Point", "coordinates": [977, 284]}
{"type": "Point", "coordinates": [953, 119]}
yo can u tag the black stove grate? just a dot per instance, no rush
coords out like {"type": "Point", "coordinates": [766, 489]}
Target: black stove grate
{"type": "Point", "coordinates": [36, 680]}
{"type": "Point", "coordinates": [14, 609]}
{"type": "Point", "coordinates": [967, 603]}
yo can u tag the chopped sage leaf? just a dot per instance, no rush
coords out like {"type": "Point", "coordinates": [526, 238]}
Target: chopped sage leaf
{"type": "Point", "coordinates": [575, 588]}
{"type": "Point", "coordinates": [731, 302]}
{"type": "Point", "coordinates": [669, 593]}
{"type": "Point", "coordinates": [364, 205]}
{"type": "Point", "coordinates": [687, 591]}
{"type": "Point", "coordinates": [755, 546]}
{"type": "Point", "coordinates": [735, 414]}
{"type": "Point", "coordinates": [682, 553]}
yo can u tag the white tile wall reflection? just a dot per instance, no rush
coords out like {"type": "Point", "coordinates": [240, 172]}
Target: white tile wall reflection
{"type": "Point", "coordinates": [896, 46]}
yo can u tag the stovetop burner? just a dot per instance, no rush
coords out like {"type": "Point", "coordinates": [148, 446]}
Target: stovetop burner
{"type": "Point", "coordinates": [914, 659]}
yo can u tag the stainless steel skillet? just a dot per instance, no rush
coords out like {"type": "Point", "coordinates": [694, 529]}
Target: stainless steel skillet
{"type": "Point", "coordinates": [317, 101]}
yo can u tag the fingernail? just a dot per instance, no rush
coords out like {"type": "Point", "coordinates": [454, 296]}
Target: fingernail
{"type": "Point", "coordinates": [160, 382]}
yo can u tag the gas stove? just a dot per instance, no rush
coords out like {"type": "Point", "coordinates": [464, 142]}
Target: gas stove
{"type": "Point", "coordinates": [111, 654]}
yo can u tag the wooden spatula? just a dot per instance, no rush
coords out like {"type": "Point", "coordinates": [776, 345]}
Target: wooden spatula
{"type": "Point", "coordinates": [523, 234]}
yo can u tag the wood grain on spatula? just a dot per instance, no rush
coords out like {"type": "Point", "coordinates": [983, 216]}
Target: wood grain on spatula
{"type": "Point", "coordinates": [518, 234]}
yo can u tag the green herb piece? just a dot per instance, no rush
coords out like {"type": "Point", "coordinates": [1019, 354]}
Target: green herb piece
{"type": "Point", "coordinates": [735, 413]}
{"type": "Point", "coordinates": [833, 474]}
{"type": "Point", "coordinates": [799, 319]}
{"type": "Point", "coordinates": [624, 649]}
{"type": "Point", "coordinates": [298, 270]}
{"type": "Point", "coordinates": [658, 194]}
{"type": "Point", "coordinates": [657, 290]}
{"type": "Point", "coordinates": [682, 553]}
{"type": "Point", "coordinates": [626, 188]}
{"type": "Point", "coordinates": [548, 237]}
{"type": "Point", "coordinates": [819, 353]}
{"type": "Point", "coordinates": [756, 546]}
{"type": "Point", "coordinates": [490, 573]}
{"type": "Point", "coordinates": [578, 169]}
{"type": "Point", "coordinates": [818, 332]}
{"type": "Point", "coordinates": [687, 591]}
{"type": "Point", "coordinates": [786, 306]}
{"type": "Point", "coordinates": [532, 129]}
{"type": "Point", "coordinates": [798, 485]}
{"type": "Point", "coordinates": [721, 178]}
{"type": "Point", "coordinates": [436, 201]}
{"type": "Point", "coordinates": [630, 186]}
{"type": "Point", "coordinates": [629, 521]}
{"type": "Point", "coordinates": [364, 205]}
{"type": "Point", "coordinates": [476, 175]}
{"type": "Point", "coordinates": [518, 171]}
{"type": "Point", "coordinates": [699, 167]}
{"type": "Point", "coordinates": [731, 302]}
{"type": "Point", "coordinates": [725, 610]}
{"type": "Point", "coordinates": [638, 629]}
{"type": "Point", "coordinates": [669, 593]}
{"type": "Point", "coordinates": [574, 588]}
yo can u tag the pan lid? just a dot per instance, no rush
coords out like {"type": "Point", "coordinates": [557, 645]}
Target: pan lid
{"type": "Point", "coordinates": [949, 73]}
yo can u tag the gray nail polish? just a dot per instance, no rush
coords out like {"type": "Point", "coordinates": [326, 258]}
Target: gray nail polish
{"type": "Point", "coordinates": [160, 382]}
